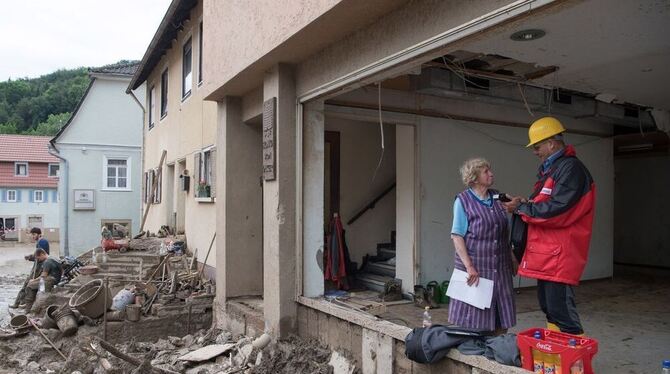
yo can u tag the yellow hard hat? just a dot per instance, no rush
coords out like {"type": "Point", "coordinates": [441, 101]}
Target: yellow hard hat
{"type": "Point", "coordinates": [544, 128]}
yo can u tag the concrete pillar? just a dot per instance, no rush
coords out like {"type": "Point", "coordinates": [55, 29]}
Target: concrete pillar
{"type": "Point", "coordinates": [406, 269]}
{"type": "Point", "coordinates": [313, 198]}
{"type": "Point", "coordinates": [279, 197]}
{"type": "Point", "coordinates": [239, 257]}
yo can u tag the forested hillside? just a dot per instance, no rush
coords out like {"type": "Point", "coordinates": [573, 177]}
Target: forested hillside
{"type": "Point", "coordinates": [40, 106]}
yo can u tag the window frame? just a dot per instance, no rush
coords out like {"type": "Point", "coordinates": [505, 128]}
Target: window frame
{"type": "Point", "coordinates": [200, 75]}
{"type": "Point", "coordinates": [35, 200]}
{"type": "Point", "coordinates": [187, 56]}
{"type": "Point", "coordinates": [7, 196]}
{"type": "Point", "coordinates": [17, 164]}
{"type": "Point", "coordinates": [105, 165]}
{"type": "Point", "coordinates": [56, 175]}
{"type": "Point", "coordinates": [152, 107]}
{"type": "Point", "coordinates": [164, 94]}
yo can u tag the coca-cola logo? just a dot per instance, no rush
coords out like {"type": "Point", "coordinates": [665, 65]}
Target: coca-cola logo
{"type": "Point", "coordinates": [546, 347]}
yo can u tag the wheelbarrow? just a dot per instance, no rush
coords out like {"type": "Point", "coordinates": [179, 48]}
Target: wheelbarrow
{"type": "Point", "coordinates": [120, 245]}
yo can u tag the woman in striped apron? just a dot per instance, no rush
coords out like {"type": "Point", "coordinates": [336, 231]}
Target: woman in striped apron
{"type": "Point", "coordinates": [480, 236]}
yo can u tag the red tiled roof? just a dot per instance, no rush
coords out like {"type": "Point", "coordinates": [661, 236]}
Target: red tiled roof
{"type": "Point", "coordinates": [25, 148]}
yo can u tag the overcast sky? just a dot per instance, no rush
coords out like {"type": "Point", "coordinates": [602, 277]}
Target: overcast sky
{"type": "Point", "coordinates": [40, 36]}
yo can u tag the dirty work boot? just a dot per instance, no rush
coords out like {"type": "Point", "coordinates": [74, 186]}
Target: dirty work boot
{"type": "Point", "coordinates": [419, 296]}
{"type": "Point", "coordinates": [392, 291]}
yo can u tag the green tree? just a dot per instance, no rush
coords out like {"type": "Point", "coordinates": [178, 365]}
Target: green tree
{"type": "Point", "coordinates": [27, 104]}
{"type": "Point", "coordinates": [51, 126]}
{"type": "Point", "coordinates": [8, 128]}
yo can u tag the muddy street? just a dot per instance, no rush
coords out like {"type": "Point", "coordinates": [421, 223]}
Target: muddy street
{"type": "Point", "coordinates": [13, 271]}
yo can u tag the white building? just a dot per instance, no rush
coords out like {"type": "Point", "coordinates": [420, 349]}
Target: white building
{"type": "Point", "coordinates": [100, 149]}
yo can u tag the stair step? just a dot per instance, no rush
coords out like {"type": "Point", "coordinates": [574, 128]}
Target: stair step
{"type": "Point", "coordinates": [373, 282]}
{"type": "Point", "coordinates": [386, 253]}
{"type": "Point", "coordinates": [380, 268]}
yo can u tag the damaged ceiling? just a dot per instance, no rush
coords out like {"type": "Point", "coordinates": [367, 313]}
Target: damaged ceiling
{"type": "Point", "coordinates": [617, 49]}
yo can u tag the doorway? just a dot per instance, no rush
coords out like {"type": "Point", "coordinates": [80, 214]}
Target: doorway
{"type": "Point", "coordinates": [170, 211]}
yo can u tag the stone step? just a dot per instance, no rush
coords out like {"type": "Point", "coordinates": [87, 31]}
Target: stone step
{"type": "Point", "coordinates": [386, 253]}
{"type": "Point", "coordinates": [128, 258]}
{"type": "Point", "coordinates": [380, 268]}
{"type": "Point", "coordinates": [373, 282]}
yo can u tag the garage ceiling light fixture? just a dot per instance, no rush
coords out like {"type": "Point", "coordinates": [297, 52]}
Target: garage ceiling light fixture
{"type": "Point", "coordinates": [527, 35]}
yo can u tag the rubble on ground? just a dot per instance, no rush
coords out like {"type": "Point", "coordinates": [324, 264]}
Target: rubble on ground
{"type": "Point", "coordinates": [85, 353]}
{"type": "Point", "coordinates": [173, 299]}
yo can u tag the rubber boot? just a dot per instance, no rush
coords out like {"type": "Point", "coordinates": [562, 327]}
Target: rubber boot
{"type": "Point", "coordinates": [553, 327]}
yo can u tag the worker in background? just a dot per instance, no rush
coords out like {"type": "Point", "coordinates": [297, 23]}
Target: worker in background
{"type": "Point", "coordinates": [40, 243]}
{"type": "Point", "coordinates": [51, 271]}
{"type": "Point", "coordinates": [559, 217]}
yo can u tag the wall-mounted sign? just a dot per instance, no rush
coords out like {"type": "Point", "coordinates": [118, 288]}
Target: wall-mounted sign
{"type": "Point", "coordinates": [269, 137]}
{"type": "Point", "coordinates": [84, 199]}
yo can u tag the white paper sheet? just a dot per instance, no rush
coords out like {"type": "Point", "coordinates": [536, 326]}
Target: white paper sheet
{"type": "Point", "coordinates": [479, 297]}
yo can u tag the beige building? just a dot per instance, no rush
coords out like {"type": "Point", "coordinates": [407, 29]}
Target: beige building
{"type": "Point", "coordinates": [366, 109]}
{"type": "Point", "coordinates": [180, 122]}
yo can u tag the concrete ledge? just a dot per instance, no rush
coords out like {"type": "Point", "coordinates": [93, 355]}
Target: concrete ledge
{"type": "Point", "coordinates": [334, 334]}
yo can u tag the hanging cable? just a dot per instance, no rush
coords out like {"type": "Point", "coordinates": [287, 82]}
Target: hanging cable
{"type": "Point", "coordinates": [524, 100]}
{"type": "Point", "coordinates": [381, 130]}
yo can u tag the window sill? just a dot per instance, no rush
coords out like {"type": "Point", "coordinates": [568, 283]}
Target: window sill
{"type": "Point", "coordinates": [205, 199]}
{"type": "Point", "coordinates": [116, 189]}
{"type": "Point", "coordinates": [186, 96]}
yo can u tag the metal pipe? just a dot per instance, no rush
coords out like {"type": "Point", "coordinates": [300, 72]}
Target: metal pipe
{"type": "Point", "coordinates": [64, 176]}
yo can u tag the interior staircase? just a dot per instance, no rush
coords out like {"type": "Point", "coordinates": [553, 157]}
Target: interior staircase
{"type": "Point", "coordinates": [379, 268]}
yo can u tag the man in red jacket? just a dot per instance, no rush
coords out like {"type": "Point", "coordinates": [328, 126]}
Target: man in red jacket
{"type": "Point", "coordinates": [559, 215]}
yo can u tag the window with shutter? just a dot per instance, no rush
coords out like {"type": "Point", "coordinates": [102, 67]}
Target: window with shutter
{"type": "Point", "coordinates": [196, 173]}
{"type": "Point", "coordinates": [212, 172]}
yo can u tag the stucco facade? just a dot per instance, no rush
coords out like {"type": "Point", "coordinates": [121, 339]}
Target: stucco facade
{"type": "Point", "coordinates": [28, 187]}
{"type": "Point", "coordinates": [186, 129]}
{"type": "Point", "coordinates": [104, 133]}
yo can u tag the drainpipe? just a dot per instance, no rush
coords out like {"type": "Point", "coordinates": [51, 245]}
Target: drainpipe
{"type": "Point", "coordinates": [64, 177]}
{"type": "Point", "coordinates": [144, 113]}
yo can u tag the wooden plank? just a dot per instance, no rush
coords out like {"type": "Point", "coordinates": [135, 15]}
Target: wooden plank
{"type": "Point", "coordinates": [385, 354]}
{"type": "Point", "coordinates": [154, 187]}
{"type": "Point", "coordinates": [206, 353]}
{"type": "Point", "coordinates": [370, 345]}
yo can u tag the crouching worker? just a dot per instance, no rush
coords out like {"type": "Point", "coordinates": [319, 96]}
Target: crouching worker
{"type": "Point", "coordinates": [50, 275]}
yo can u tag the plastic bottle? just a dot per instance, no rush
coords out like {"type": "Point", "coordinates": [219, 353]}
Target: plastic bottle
{"type": "Point", "coordinates": [94, 257]}
{"type": "Point", "coordinates": [427, 319]}
{"type": "Point", "coordinates": [538, 356]}
{"type": "Point", "coordinates": [666, 367]}
{"type": "Point", "coordinates": [550, 363]}
{"type": "Point", "coordinates": [104, 256]}
{"type": "Point", "coordinates": [577, 367]}
{"type": "Point", "coordinates": [42, 286]}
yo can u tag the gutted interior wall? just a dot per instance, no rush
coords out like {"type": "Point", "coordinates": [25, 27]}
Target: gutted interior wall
{"type": "Point", "coordinates": [187, 128]}
{"type": "Point", "coordinates": [446, 144]}
{"type": "Point", "coordinates": [360, 151]}
{"type": "Point", "coordinates": [642, 211]}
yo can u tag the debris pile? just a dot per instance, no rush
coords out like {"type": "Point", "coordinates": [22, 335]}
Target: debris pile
{"type": "Point", "coordinates": [204, 352]}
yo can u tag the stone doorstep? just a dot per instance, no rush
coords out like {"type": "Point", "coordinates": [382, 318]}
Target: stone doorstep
{"type": "Point", "coordinates": [252, 319]}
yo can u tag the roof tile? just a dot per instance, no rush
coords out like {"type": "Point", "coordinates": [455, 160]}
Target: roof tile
{"type": "Point", "coordinates": [25, 148]}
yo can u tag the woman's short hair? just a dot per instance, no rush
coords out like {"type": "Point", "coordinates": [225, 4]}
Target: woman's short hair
{"type": "Point", "coordinates": [471, 168]}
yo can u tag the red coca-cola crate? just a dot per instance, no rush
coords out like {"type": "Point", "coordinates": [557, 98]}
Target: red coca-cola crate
{"type": "Point", "coordinates": [557, 343]}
